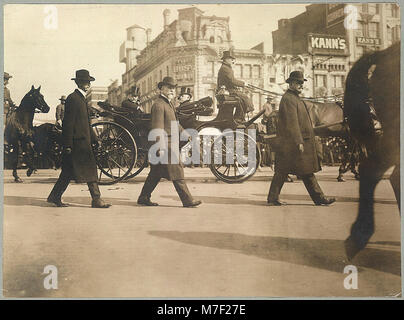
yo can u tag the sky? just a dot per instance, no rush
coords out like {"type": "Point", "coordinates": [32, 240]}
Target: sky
{"type": "Point", "coordinates": [42, 51]}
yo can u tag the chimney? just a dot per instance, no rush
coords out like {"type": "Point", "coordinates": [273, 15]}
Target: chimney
{"type": "Point", "coordinates": [148, 36]}
{"type": "Point", "coordinates": [166, 15]}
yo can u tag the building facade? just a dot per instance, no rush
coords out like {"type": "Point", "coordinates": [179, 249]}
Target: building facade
{"type": "Point", "coordinates": [190, 50]}
{"type": "Point", "coordinates": [96, 94]}
{"type": "Point", "coordinates": [335, 36]}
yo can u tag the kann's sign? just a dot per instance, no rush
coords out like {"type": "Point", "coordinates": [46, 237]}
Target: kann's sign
{"type": "Point", "coordinates": [327, 44]}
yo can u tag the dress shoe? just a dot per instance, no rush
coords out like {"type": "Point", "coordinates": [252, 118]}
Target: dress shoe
{"type": "Point", "coordinates": [193, 204]}
{"type": "Point", "coordinates": [99, 203]}
{"type": "Point", "coordinates": [144, 201]}
{"type": "Point", "coordinates": [276, 203]}
{"type": "Point", "coordinates": [58, 202]}
{"type": "Point", "coordinates": [324, 201]}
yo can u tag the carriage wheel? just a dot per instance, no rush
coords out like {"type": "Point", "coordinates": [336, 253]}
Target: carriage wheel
{"type": "Point", "coordinates": [116, 154]}
{"type": "Point", "coordinates": [141, 163]}
{"type": "Point", "coordinates": [230, 165]}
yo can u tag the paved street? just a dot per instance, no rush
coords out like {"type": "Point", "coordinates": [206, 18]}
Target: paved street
{"type": "Point", "coordinates": [233, 245]}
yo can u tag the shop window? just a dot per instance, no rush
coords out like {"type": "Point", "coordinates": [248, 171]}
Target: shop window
{"type": "Point", "coordinates": [373, 29]}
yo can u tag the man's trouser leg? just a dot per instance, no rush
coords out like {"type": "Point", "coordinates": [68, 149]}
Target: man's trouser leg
{"type": "Point", "coordinates": [149, 185]}
{"type": "Point", "coordinates": [60, 186]}
{"type": "Point", "coordinates": [94, 190]}
{"type": "Point", "coordinates": [183, 191]}
{"type": "Point", "coordinates": [312, 186]}
{"type": "Point", "coordinates": [276, 186]}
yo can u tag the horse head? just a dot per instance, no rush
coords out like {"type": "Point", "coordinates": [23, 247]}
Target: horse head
{"type": "Point", "coordinates": [35, 100]}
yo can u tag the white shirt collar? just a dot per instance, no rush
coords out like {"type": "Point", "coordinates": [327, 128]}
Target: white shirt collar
{"type": "Point", "coordinates": [82, 92]}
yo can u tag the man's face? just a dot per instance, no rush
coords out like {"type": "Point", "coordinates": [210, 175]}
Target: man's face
{"type": "Point", "coordinates": [230, 60]}
{"type": "Point", "coordinates": [168, 91]}
{"type": "Point", "coordinates": [84, 85]}
{"type": "Point", "coordinates": [296, 86]}
{"type": "Point", "coordinates": [5, 81]}
{"type": "Point", "coordinates": [184, 98]}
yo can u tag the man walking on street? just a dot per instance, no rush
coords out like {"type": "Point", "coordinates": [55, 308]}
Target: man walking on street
{"type": "Point", "coordinates": [78, 160]}
{"type": "Point", "coordinates": [163, 117]}
{"type": "Point", "coordinates": [60, 111]}
{"type": "Point", "coordinates": [296, 152]}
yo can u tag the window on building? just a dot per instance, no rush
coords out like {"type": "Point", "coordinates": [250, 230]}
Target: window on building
{"type": "Point", "coordinates": [321, 80]}
{"type": "Point", "coordinates": [272, 80]}
{"type": "Point", "coordinates": [373, 29]}
{"type": "Point", "coordinates": [373, 8]}
{"type": "Point", "coordinates": [219, 39]}
{"type": "Point", "coordinates": [360, 30]}
{"type": "Point", "coordinates": [391, 10]}
{"type": "Point", "coordinates": [168, 71]}
{"type": "Point", "coordinates": [238, 71]}
{"type": "Point", "coordinates": [256, 74]}
{"type": "Point", "coordinates": [161, 75]}
{"type": "Point", "coordinates": [211, 69]}
{"type": "Point", "coordinates": [338, 81]}
{"type": "Point", "coordinates": [212, 39]}
{"type": "Point", "coordinates": [247, 71]}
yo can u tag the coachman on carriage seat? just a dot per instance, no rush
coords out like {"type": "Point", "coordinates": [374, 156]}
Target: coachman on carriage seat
{"type": "Point", "coordinates": [226, 78]}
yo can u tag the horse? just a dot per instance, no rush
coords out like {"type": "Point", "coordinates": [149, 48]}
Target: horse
{"type": "Point", "coordinates": [329, 122]}
{"type": "Point", "coordinates": [19, 129]}
{"type": "Point", "coordinates": [48, 142]}
{"type": "Point", "coordinates": [372, 96]}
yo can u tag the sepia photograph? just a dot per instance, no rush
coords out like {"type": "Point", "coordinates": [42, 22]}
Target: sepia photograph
{"type": "Point", "coordinates": [201, 150]}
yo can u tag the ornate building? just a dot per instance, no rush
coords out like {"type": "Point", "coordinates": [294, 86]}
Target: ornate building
{"type": "Point", "coordinates": [190, 50]}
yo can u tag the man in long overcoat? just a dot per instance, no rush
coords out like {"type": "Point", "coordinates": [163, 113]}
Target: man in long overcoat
{"type": "Point", "coordinates": [226, 78]}
{"type": "Point", "coordinates": [296, 150]}
{"type": "Point", "coordinates": [78, 136]}
{"type": "Point", "coordinates": [163, 117]}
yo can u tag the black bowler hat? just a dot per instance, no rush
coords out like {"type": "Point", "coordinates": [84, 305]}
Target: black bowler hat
{"type": "Point", "coordinates": [296, 76]}
{"type": "Point", "coordinates": [62, 98]}
{"type": "Point", "coordinates": [83, 75]}
{"type": "Point", "coordinates": [228, 54]}
{"type": "Point", "coordinates": [167, 81]}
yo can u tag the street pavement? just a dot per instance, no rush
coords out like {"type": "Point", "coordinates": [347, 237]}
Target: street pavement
{"type": "Point", "coordinates": [233, 245]}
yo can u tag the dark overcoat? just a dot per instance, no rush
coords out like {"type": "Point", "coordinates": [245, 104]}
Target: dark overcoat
{"type": "Point", "coordinates": [162, 115]}
{"type": "Point", "coordinates": [78, 135]}
{"type": "Point", "coordinates": [294, 127]}
{"type": "Point", "coordinates": [226, 78]}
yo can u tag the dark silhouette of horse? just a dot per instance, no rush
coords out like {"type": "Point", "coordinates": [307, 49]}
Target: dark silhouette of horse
{"type": "Point", "coordinates": [19, 129]}
{"type": "Point", "coordinates": [48, 143]}
{"type": "Point", "coordinates": [372, 96]}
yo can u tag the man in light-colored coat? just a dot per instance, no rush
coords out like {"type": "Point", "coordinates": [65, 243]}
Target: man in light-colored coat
{"type": "Point", "coordinates": [163, 116]}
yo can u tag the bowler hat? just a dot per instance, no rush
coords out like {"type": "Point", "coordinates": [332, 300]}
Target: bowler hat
{"type": "Point", "coordinates": [185, 91]}
{"type": "Point", "coordinates": [62, 98]}
{"type": "Point", "coordinates": [228, 54]}
{"type": "Point", "coordinates": [296, 76]}
{"type": "Point", "coordinates": [7, 76]}
{"type": "Point", "coordinates": [84, 75]}
{"type": "Point", "coordinates": [167, 81]}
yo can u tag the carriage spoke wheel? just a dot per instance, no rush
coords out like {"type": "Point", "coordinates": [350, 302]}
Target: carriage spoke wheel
{"type": "Point", "coordinates": [116, 154]}
{"type": "Point", "coordinates": [235, 157]}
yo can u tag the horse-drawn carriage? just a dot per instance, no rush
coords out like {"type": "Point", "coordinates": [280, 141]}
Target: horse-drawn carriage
{"type": "Point", "coordinates": [123, 147]}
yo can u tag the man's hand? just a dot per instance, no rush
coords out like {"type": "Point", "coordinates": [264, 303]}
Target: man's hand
{"type": "Point", "coordinates": [301, 148]}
